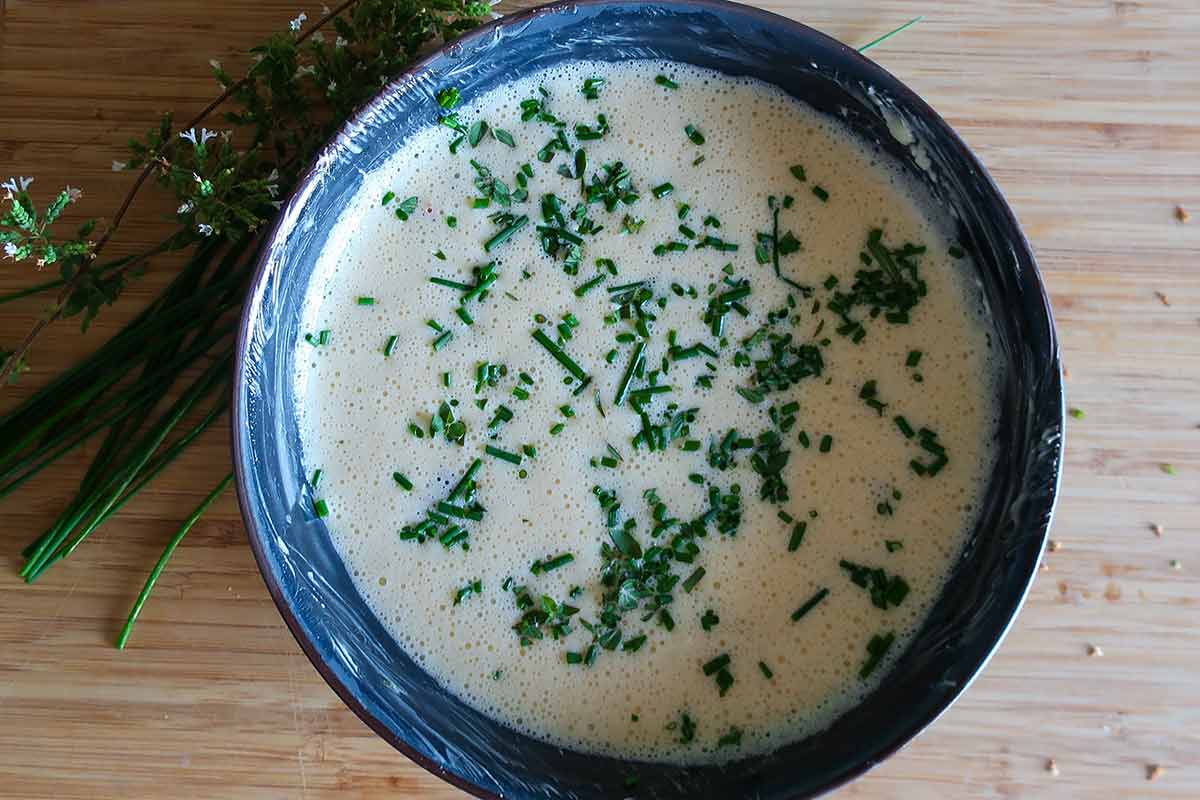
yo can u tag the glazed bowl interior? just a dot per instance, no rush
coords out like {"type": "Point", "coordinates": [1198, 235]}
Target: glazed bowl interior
{"type": "Point", "coordinates": [317, 597]}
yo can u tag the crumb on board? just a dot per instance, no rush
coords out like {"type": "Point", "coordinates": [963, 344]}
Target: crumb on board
{"type": "Point", "coordinates": [1052, 767]}
{"type": "Point", "coordinates": [1153, 772]}
{"type": "Point", "coordinates": [1094, 650]}
{"type": "Point", "coordinates": [1054, 545]}
{"type": "Point", "coordinates": [1162, 298]}
{"type": "Point", "coordinates": [1158, 529]}
{"type": "Point", "coordinates": [1066, 373]}
{"type": "Point", "coordinates": [1182, 214]}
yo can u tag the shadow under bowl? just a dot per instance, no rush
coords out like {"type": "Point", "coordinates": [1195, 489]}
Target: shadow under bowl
{"type": "Point", "coordinates": [316, 595]}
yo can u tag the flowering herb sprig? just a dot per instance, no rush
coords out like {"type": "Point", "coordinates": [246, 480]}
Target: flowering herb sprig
{"type": "Point", "coordinates": [139, 392]}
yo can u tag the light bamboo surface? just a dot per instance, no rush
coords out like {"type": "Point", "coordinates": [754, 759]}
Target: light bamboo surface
{"type": "Point", "coordinates": [1087, 112]}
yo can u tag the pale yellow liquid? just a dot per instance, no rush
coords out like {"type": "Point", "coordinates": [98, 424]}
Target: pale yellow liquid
{"type": "Point", "coordinates": [355, 406]}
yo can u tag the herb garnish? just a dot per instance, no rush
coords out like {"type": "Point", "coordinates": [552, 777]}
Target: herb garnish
{"type": "Point", "coordinates": [887, 591]}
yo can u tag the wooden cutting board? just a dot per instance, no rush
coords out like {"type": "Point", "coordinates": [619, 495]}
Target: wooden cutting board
{"type": "Point", "coordinates": [1087, 113]}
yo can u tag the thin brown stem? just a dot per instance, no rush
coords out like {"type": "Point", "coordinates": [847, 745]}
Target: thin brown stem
{"type": "Point", "coordinates": [9, 364]}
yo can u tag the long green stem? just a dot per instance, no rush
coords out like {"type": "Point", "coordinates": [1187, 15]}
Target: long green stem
{"type": "Point", "coordinates": [889, 34]}
{"type": "Point", "coordinates": [49, 553]}
{"type": "Point", "coordinates": [134, 612]}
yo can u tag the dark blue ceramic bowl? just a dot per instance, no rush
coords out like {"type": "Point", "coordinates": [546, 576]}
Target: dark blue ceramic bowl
{"type": "Point", "coordinates": [315, 594]}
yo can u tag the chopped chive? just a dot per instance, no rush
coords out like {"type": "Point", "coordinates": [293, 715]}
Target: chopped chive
{"type": "Point", "coordinates": [797, 537]}
{"type": "Point", "coordinates": [503, 455]}
{"type": "Point", "coordinates": [387, 198]}
{"type": "Point", "coordinates": [634, 362]}
{"type": "Point", "coordinates": [557, 428]}
{"type": "Point", "coordinates": [809, 604]}
{"type": "Point", "coordinates": [462, 287]}
{"type": "Point", "coordinates": [316, 477]}
{"type": "Point", "coordinates": [717, 664]}
{"type": "Point", "coordinates": [506, 234]}
{"type": "Point", "coordinates": [877, 648]}
{"type": "Point", "coordinates": [826, 443]}
{"type": "Point", "coordinates": [709, 620]}
{"type": "Point", "coordinates": [662, 190]}
{"type": "Point", "coordinates": [464, 315]}
{"type": "Point", "coordinates": [540, 567]}
{"type": "Point", "coordinates": [821, 194]}
{"type": "Point", "coordinates": [893, 545]}
{"type": "Point", "coordinates": [914, 358]}
{"type": "Point", "coordinates": [956, 251]}
{"type": "Point", "coordinates": [503, 136]}
{"type": "Point", "coordinates": [693, 579]}
{"type": "Point", "coordinates": [442, 340]}
{"type": "Point", "coordinates": [1077, 413]}
{"type": "Point", "coordinates": [904, 427]}
{"type": "Point", "coordinates": [365, 301]}
{"type": "Point", "coordinates": [634, 644]}
{"type": "Point", "coordinates": [663, 80]}
{"type": "Point", "coordinates": [798, 171]}
{"type": "Point", "coordinates": [694, 134]}
{"type": "Point", "coordinates": [451, 222]}
{"type": "Point", "coordinates": [666, 619]}
{"type": "Point", "coordinates": [433, 323]}
{"type": "Point", "coordinates": [415, 430]}
{"type": "Point", "coordinates": [474, 587]}
{"type": "Point", "coordinates": [765, 670]}
{"type": "Point", "coordinates": [559, 355]}
{"type": "Point", "coordinates": [588, 285]}
{"type": "Point", "coordinates": [404, 482]}
{"type": "Point", "coordinates": [321, 508]}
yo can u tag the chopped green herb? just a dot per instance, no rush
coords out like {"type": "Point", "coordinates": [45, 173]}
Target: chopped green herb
{"type": "Point", "coordinates": [765, 670]}
{"type": "Point", "coordinates": [474, 587]}
{"type": "Point", "coordinates": [663, 80]}
{"type": "Point", "coordinates": [821, 193]}
{"type": "Point", "coordinates": [877, 648]}
{"type": "Point", "coordinates": [316, 478]}
{"type": "Point", "coordinates": [662, 190]}
{"type": "Point", "coordinates": [709, 620]}
{"type": "Point", "coordinates": [694, 134]}
{"type": "Point", "coordinates": [503, 455]}
{"type": "Point", "coordinates": [540, 567]}
{"type": "Point", "coordinates": [1077, 413]}
{"type": "Point", "coordinates": [809, 604]}
{"type": "Point", "coordinates": [321, 508]}
{"type": "Point", "coordinates": [365, 301]}
{"type": "Point", "coordinates": [403, 482]}
{"type": "Point", "coordinates": [798, 171]}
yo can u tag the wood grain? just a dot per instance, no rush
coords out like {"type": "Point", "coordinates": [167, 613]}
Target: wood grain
{"type": "Point", "coordinates": [1087, 112]}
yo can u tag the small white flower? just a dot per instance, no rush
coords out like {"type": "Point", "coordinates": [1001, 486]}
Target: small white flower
{"type": "Point", "coordinates": [205, 229]}
{"type": "Point", "coordinates": [226, 135]}
{"type": "Point", "coordinates": [186, 208]}
{"type": "Point", "coordinates": [307, 69]}
{"type": "Point", "coordinates": [197, 178]}
{"type": "Point", "coordinates": [273, 183]}
{"type": "Point", "coordinates": [206, 134]}
{"type": "Point", "coordinates": [11, 250]}
{"type": "Point", "coordinates": [332, 87]}
{"type": "Point", "coordinates": [189, 134]}
{"type": "Point", "coordinates": [317, 37]}
{"type": "Point", "coordinates": [325, 12]}
{"type": "Point", "coordinates": [18, 184]}
{"type": "Point", "coordinates": [41, 262]}
{"type": "Point", "coordinates": [278, 204]}
{"type": "Point", "coordinates": [340, 42]}
{"type": "Point", "coordinates": [298, 21]}
{"type": "Point", "coordinates": [118, 166]}
{"type": "Point", "coordinates": [212, 62]}
{"type": "Point", "coordinates": [73, 194]}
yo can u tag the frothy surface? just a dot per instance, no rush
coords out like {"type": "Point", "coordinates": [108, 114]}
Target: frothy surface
{"type": "Point", "coordinates": [356, 406]}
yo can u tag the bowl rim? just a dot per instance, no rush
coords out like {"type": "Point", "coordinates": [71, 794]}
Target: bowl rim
{"type": "Point", "coordinates": [253, 304]}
